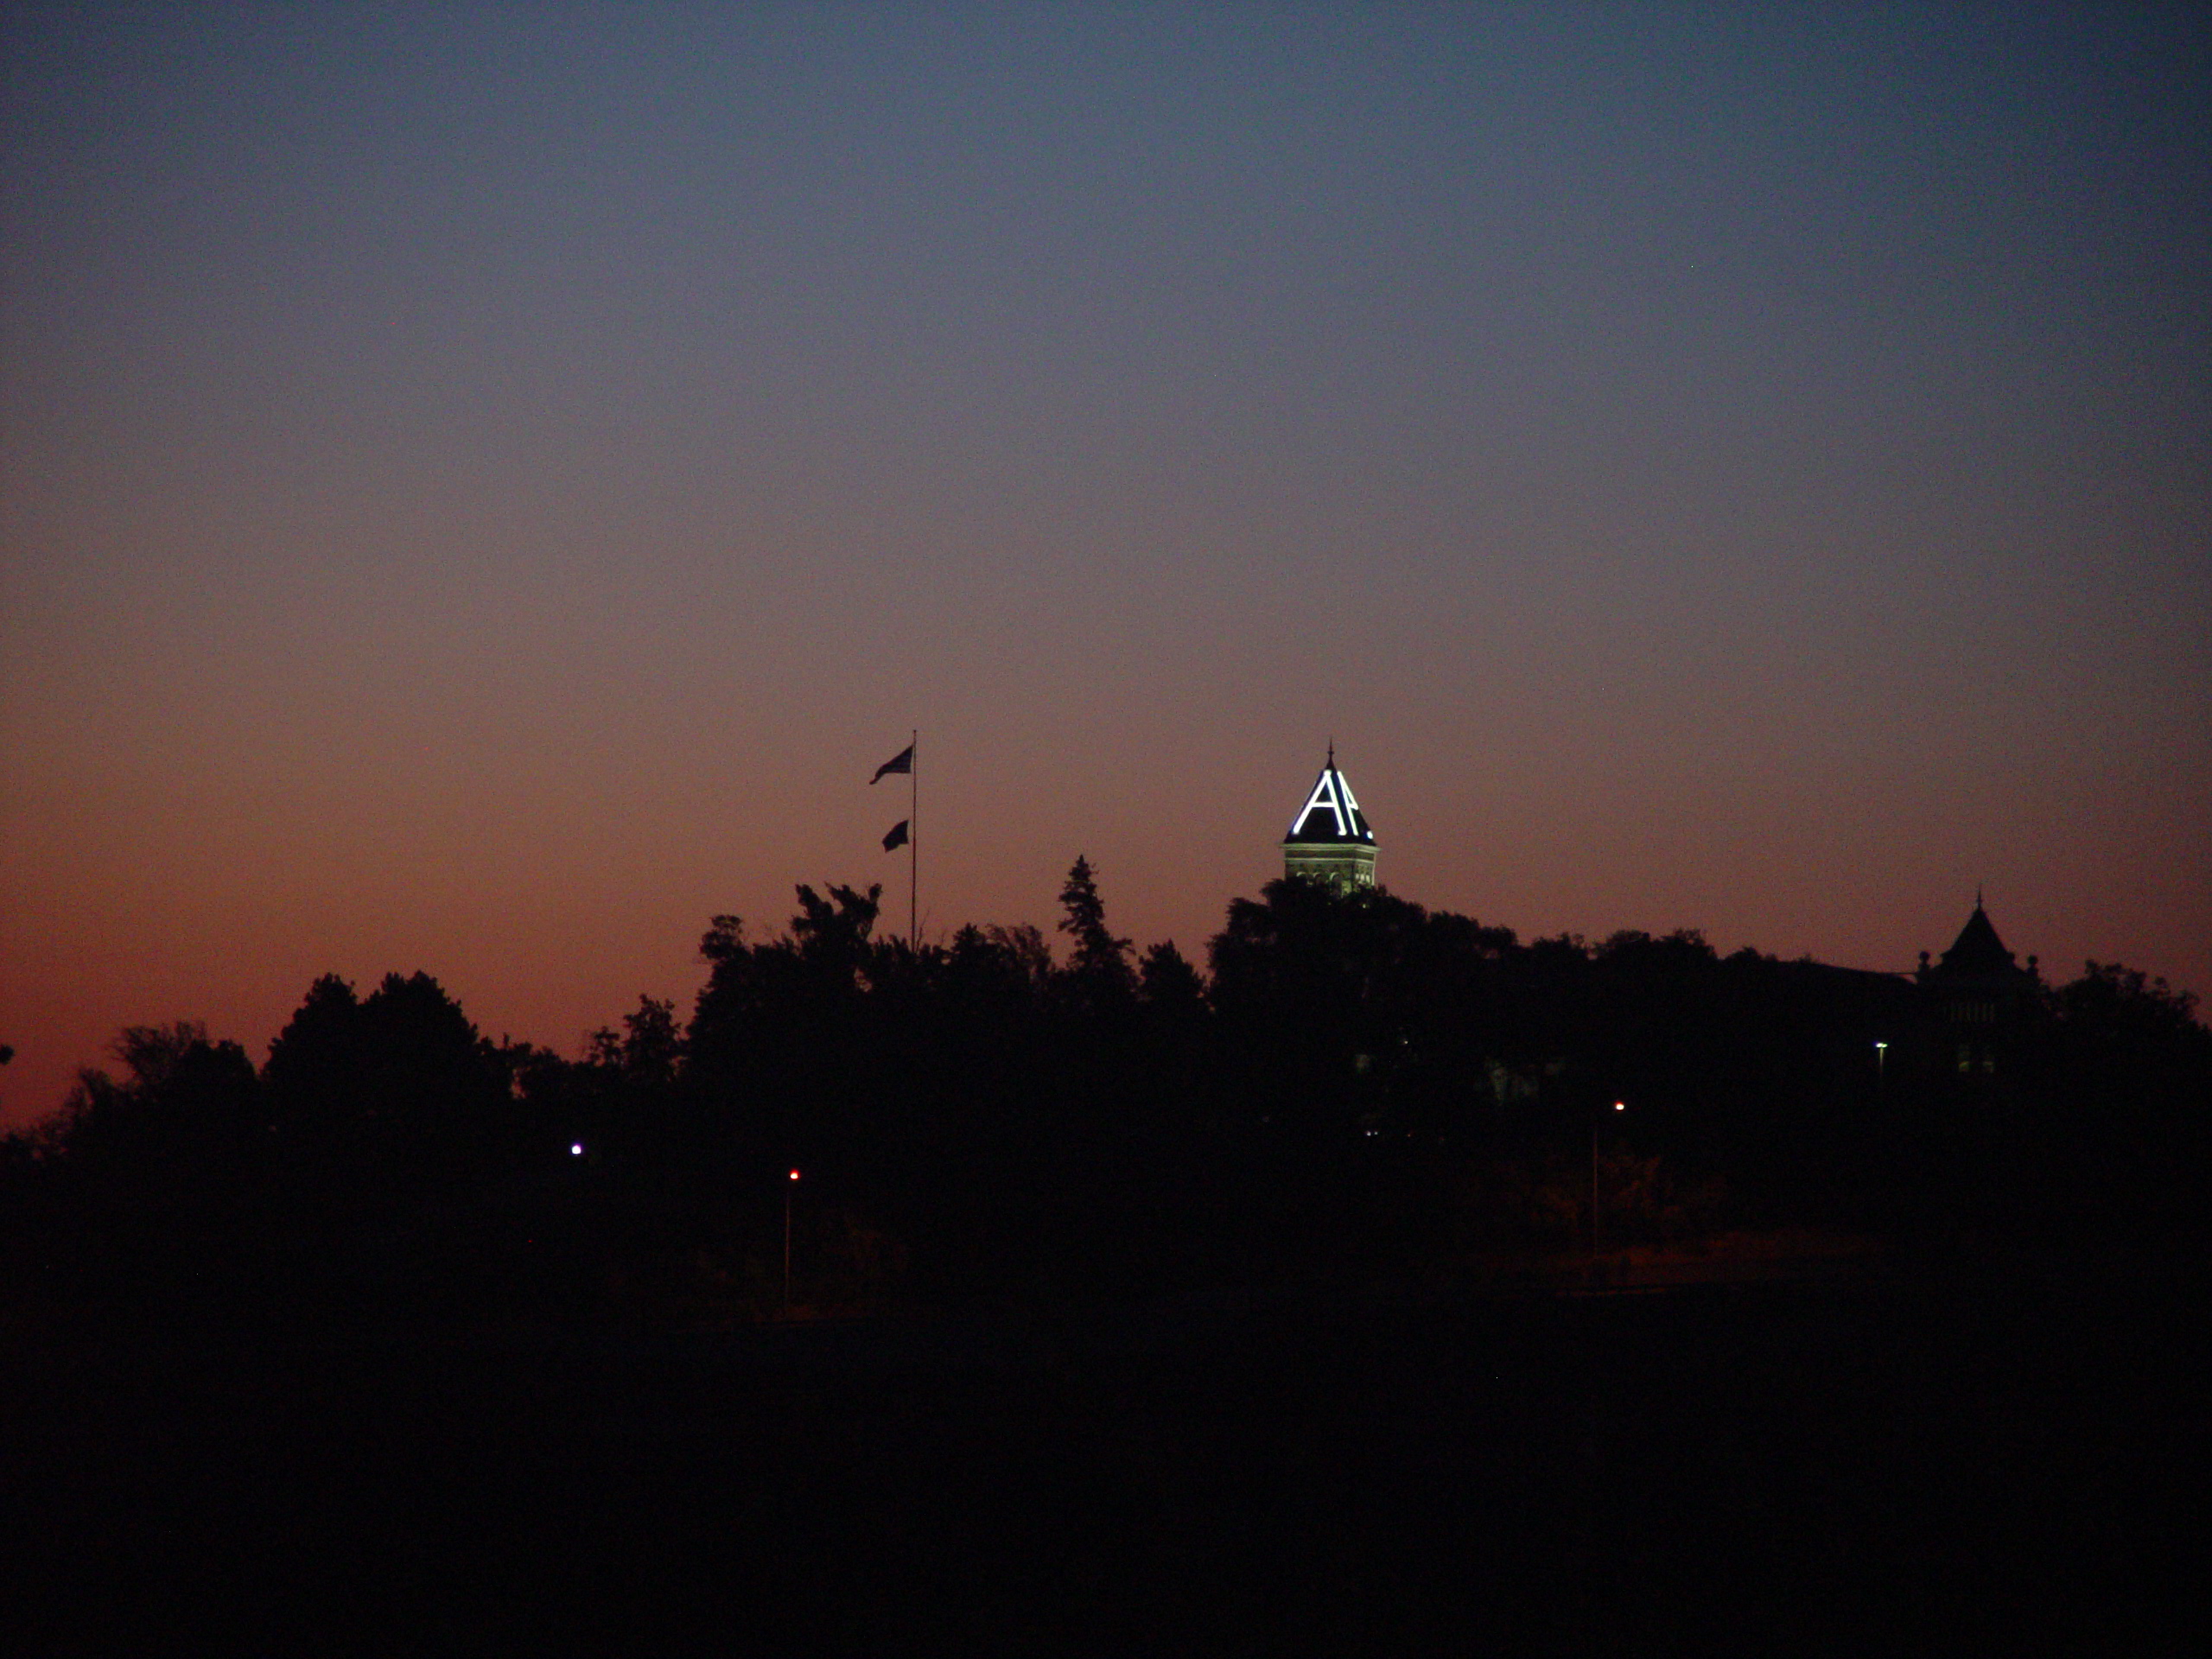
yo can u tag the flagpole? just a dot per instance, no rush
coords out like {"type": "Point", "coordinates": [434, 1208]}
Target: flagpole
{"type": "Point", "coordinates": [913, 838]}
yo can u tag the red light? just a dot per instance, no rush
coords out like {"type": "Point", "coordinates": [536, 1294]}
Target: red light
{"type": "Point", "coordinates": [794, 1174]}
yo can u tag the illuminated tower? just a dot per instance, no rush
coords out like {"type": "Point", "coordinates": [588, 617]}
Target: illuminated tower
{"type": "Point", "coordinates": [1329, 840]}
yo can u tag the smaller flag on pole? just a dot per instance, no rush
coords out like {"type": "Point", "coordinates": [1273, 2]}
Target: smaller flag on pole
{"type": "Point", "coordinates": [897, 838]}
{"type": "Point", "coordinates": [901, 762]}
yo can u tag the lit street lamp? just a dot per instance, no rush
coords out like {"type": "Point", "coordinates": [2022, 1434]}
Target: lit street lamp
{"type": "Point", "coordinates": [1881, 1076]}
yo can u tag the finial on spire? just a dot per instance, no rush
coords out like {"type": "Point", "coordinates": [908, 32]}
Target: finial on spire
{"type": "Point", "coordinates": [1977, 895]}
{"type": "Point", "coordinates": [1332, 750]}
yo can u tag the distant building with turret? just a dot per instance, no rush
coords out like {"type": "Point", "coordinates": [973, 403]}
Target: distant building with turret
{"type": "Point", "coordinates": [1329, 840]}
{"type": "Point", "coordinates": [1976, 994]}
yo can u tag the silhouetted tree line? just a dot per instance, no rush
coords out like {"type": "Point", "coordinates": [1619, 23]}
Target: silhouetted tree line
{"type": "Point", "coordinates": [1358, 1086]}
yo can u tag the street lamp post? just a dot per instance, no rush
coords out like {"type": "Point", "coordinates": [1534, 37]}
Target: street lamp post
{"type": "Point", "coordinates": [1618, 1106]}
{"type": "Point", "coordinates": [1881, 1071]}
{"type": "Point", "coordinates": [787, 1242]}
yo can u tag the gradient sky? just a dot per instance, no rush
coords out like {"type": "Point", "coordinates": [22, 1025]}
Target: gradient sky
{"type": "Point", "coordinates": [482, 487]}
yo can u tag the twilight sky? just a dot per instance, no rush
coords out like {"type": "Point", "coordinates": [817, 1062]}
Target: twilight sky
{"type": "Point", "coordinates": [482, 487]}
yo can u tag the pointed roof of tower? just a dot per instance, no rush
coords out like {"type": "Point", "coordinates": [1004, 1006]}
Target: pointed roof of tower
{"type": "Point", "coordinates": [1978, 949]}
{"type": "Point", "coordinates": [1330, 815]}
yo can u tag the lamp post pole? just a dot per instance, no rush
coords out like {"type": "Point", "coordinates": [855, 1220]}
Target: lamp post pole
{"type": "Point", "coordinates": [1881, 1072]}
{"type": "Point", "coordinates": [787, 1242]}
{"type": "Point", "coordinates": [1595, 1212]}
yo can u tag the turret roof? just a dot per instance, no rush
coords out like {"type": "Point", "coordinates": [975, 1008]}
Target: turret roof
{"type": "Point", "coordinates": [1978, 949]}
{"type": "Point", "coordinates": [1330, 815]}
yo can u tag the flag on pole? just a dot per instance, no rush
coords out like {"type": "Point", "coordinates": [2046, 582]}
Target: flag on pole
{"type": "Point", "coordinates": [903, 761]}
{"type": "Point", "coordinates": [897, 838]}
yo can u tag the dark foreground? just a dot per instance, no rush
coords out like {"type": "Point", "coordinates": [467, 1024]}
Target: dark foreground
{"type": "Point", "coordinates": [1971, 1458]}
